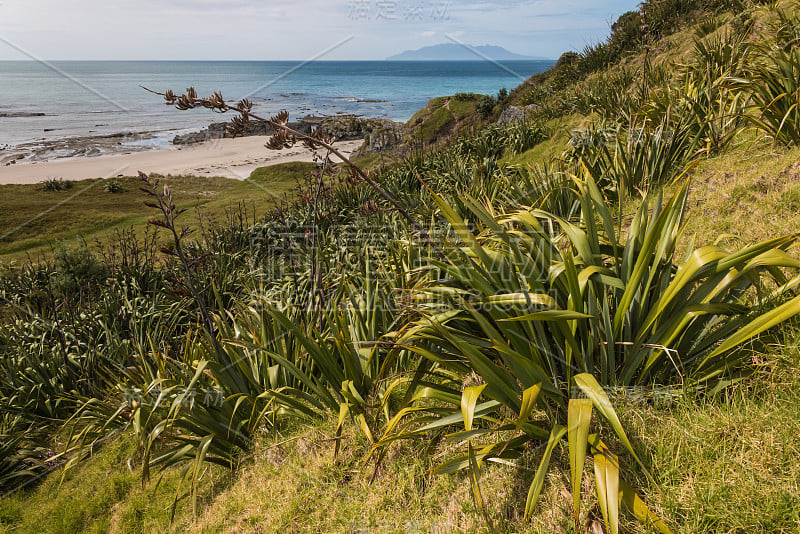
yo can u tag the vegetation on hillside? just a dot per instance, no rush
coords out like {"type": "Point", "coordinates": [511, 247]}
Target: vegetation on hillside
{"type": "Point", "coordinates": [452, 313]}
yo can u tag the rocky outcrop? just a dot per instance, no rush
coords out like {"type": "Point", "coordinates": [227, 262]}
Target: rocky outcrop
{"type": "Point", "coordinates": [386, 136]}
{"type": "Point", "coordinates": [516, 114]}
{"type": "Point", "coordinates": [378, 134]}
{"type": "Point", "coordinates": [218, 130]}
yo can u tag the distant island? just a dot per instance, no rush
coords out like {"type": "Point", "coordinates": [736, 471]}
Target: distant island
{"type": "Point", "coordinates": [456, 52]}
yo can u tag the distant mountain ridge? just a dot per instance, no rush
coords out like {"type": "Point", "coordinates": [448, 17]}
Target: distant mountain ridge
{"type": "Point", "coordinates": [456, 52]}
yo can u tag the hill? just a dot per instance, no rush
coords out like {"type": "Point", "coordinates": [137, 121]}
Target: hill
{"type": "Point", "coordinates": [589, 325]}
{"type": "Point", "coordinates": [457, 52]}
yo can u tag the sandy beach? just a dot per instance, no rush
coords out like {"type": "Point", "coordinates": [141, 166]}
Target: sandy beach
{"type": "Point", "coordinates": [230, 158]}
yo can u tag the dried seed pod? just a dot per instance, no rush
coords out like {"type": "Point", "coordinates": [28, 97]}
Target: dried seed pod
{"type": "Point", "coordinates": [184, 102]}
{"type": "Point", "coordinates": [215, 102]}
{"type": "Point", "coordinates": [244, 106]}
{"type": "Point", "coordinates": [237, 126]}
{"type": "Point", "coordinates": [281, 118]}
{"type": "Point", "coordinates": [281, 140]}
{"type": "Point", "coordinates": [318, 135]}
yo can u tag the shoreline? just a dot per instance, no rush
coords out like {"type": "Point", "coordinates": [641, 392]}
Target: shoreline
{"type": "Point", "coordinates": [229, 158]}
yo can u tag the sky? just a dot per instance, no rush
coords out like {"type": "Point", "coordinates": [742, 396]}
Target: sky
{"type": "Point", "coordinates": [293, 29]}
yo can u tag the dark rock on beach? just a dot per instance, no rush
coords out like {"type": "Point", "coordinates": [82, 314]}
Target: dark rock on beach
{"type": "Point", "coordinates": [219, 130]}
{"type": "Point", "coordinates": [378, 134]}
{"type": "Point", "coordinates": [19, 114]}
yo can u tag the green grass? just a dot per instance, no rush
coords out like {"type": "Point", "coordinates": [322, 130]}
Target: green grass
{"type": "Point", "coordinates": [551, 148]}
{"type": "Point", "coordinates": [729, 463]}
{"type": "Point", "coordinates": [34, 219]}
{"type": "Point", "coordinates": [444, 118]}
{"type": "Point", "coordinates": [755, 197]}
{"type": "Point", "coordinates": [103, 495]}
{"type": "Point", "coordinates": [282, 175]}
{"type": "Point", "coordinates": [434, 126]}
{"type": "Point", "coordinates": [463, 108]}
{"type": "Point", "coordinates": [724, 464]}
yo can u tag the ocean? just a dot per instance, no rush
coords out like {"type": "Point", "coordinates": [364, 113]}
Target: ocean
{"type": "Point", "coordinates": [42, 103]}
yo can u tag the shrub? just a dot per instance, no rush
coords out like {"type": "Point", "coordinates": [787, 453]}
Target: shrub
{"type": "Point", "coordinates": [635, 159]}
{"type": "Point", "coordinates": [708, 25]}
{"type": "Point", "coordinates": [76, 270]}
{"type": "Point", "coordinates": [626, 34]}
{"type": "Point", "coordinates": [787, 28]}
{"type": "Point", "coordinates": [548, 322]}
{"type": "Point", "coordinates": [502, 94]}
{"type": "Point", "coordinates": [55, 184]}
{"type": "Point", "coordinates": [486, 105]}
{"type": "Point", "coordinates": [705, 98]}
{"type": "Point", "coordinates": [775, 90]}
{"type": "Point", "coordinates": [113, 186]}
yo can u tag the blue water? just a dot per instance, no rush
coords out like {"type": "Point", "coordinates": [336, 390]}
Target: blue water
{"type": "Point", "coordinates": [100, 98]}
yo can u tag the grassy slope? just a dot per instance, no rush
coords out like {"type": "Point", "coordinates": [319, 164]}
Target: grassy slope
{"type": "Point", "coordinates": [442, 118]}
{"type": "Point", "coordinates": [724, 464]}
{"type": "Point", "coordinates": [103, 495]}
{"type": "Point", "coordinates": [36, 219]}
{"type": "Point", "coordinates": [727, 464]}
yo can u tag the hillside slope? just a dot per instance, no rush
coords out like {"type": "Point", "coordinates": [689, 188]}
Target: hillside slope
{"type": "Point", "coordinates": [445, 442]}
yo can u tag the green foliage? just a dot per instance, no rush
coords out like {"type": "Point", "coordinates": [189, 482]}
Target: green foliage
{"type": "Point", "coordinates": [707, 98]}
{"type": "Point", "coordinates": [709, 25]}
{"type": "Point", "coordinates": [525, 302]}
{"type": "Point", "coordinates": [113, 186]}
{"type": "Point", "coordinates": [55, 184]}
{"type": "Point", "coordinates": [638, 159]}
{"type": "Point", "coordinates": [495, 141]}
{"type": "Point", "coordinates": [626, 34]}
{"type": "Point", "coordinates": [502, 95]}
{"type": "Point", "coordinates": [486, 105]}
{"type": "Point", "coordinates": [77, 270]}
{"type": "Point", "coordinates": [787, 27]}
{"type": "Point", "coordinates": [532, 319]}
{"type": "Point", "coordinates": [775, 91]}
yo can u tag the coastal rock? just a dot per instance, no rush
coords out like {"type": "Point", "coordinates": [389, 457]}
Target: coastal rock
{"type": "Point", "coordinates": [516, 114]}
{"type": "Point", "coordinates": [19, 114]}
{"type": "Point", "coordinates": [383, 137]}
{"type": "Point", "coordinates": [11, 159]}
{"type": "Point", "coordinates": [378, 134]}
{"type": "Point", "coordinates": [219, 130]}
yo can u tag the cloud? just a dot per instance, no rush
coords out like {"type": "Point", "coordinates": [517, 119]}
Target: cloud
{"type": "Point", "coordinates": [294, 29]}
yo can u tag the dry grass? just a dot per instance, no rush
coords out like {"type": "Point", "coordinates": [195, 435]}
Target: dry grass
{"type": "Point", "coordinates": [751, 196]}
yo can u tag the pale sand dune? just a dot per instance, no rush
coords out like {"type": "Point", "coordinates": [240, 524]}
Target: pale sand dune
{"type": "Point", "coordinates": [230, 158]}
